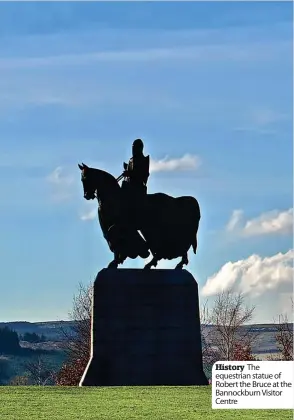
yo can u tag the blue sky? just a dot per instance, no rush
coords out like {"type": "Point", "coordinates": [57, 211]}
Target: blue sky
{"type": "Point", "coordinates": [206, 85]}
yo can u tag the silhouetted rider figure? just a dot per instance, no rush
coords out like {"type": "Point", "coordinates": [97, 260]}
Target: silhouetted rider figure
{"type": "Point", "coordinates": [136, 172]}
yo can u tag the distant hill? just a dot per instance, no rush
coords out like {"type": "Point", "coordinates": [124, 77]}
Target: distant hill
{"type": "Point", "coordinates": [51, 329]}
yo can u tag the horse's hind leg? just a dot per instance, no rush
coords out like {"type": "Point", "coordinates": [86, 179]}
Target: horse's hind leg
{"type": "Point", "coordinates": [184, 261]}
{"type": "Point", "coordinates": [118, 259]}
{"type": "Point", "coordinates": [153, 262]}
{"type": "Point", "coordinates": [113, 264]}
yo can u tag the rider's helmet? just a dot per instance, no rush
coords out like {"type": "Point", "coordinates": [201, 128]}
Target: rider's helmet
{"type": "Point", "coordinates": [138, 146]}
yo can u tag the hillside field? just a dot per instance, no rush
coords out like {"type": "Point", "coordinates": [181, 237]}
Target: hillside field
{"type": "Point", "coordinates": [120, 403]}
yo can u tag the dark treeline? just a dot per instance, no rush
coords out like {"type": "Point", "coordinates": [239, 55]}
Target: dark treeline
{"type": "Point", "coordinates": [10, 345]}
{"type": "Point", "coordinates": [9, 341]}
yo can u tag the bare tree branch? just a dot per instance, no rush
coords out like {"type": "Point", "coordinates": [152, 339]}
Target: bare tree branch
{"type": "Point", "coordinates": [40, 372]}
{"type": "Point", "coordinates": [224, 326]}
{"type": "Point", "coordinates": [77, 341]}
{"type": "Point", "coordinates": [284, 336]}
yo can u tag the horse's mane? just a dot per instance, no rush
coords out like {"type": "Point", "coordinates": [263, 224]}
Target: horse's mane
{"type": "Point", "coordinates": [108, 179]}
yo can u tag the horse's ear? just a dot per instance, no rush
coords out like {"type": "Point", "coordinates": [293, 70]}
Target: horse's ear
{"type": "Point", "coordinates": [85, 166]}
{"type": "Point", "coordinates": [80, 166]}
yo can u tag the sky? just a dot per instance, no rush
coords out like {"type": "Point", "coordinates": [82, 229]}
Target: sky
{"type": "Point", "coordinates": [207, 86]}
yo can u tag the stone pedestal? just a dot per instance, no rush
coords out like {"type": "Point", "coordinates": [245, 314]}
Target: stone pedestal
{"type": "Point", "coordinates": [145, 329]}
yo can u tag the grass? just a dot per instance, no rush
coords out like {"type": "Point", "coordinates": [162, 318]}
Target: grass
{"type": "Point", "coordinates": [120, 403]}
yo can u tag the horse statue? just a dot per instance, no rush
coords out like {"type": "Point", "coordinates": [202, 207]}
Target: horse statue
{"type": "Point", "coordinates": [159, 224]}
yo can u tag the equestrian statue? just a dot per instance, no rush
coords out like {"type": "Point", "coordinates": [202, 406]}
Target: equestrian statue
{"type": "Point", "coordinates": [137, 224]}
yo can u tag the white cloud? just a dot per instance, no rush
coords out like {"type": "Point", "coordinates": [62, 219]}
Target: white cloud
{"type": "Point", "coordinates": [254, 275]}
{"type": "Point", "coordinates": [58, 177]}
{"type": "Point", "coordinates": [285, 302]}
{"type": "Point", "coordinates": [264, 116]}
{"type": "Point", "coordinates": [235, 219]}
{"type": "Point", "coordinates": [61, 184]}
{"type": "Point", "coordinates": [272, 222]}
{"type": "Point", "coordinates": [211, 53]}
{"type": "Point", "coordinates": [90, 215]}
{"type": "Point", "coordinates": [185, 163]}
{"type": "Point", "coordinates": [262, 121]}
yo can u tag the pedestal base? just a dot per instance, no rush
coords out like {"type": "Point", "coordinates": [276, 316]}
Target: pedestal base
{"type": "Point", "coordinates": [145, 329]}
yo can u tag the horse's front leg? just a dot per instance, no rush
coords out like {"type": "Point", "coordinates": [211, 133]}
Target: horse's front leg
{"type": "Point", "coordinates": [184, 261]}
{"type": "Point", "coordinates": [118, 259]}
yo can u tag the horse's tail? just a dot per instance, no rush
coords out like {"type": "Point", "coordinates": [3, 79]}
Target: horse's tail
{"type": "Point", "coordinates": [194, 237]}
{"type": "Point", "coordinates": [190, 212]}
{"type": "Point", "coordinates": [196, 219]}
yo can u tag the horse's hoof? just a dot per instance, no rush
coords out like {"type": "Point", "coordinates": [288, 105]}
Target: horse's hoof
{"type": "Point", "coordinates": [179, 267]}
{"type": "Point", "coordinates": [147, 267]}
{"type": "Point", "coordinates": [113, 264]}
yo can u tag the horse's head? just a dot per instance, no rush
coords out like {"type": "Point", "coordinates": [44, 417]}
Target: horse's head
{"type": "Point", "coordinates": [97, 182]}
{"type": "Point", "coordinates": [88, 181]}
